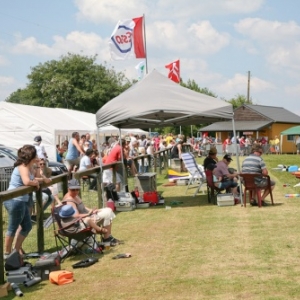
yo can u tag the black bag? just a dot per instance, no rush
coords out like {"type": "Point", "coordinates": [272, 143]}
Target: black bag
{"type": "Point", "coordinates": [14, 261]}
{"type": "Point", "coordinates": [111, 192]}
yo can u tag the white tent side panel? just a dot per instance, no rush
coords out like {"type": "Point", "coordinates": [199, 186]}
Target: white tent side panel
{"type": "Point", "coordinates": [16, 131]}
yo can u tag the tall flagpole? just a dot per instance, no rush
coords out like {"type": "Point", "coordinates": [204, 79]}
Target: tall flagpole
{"type": "Point", "coordinates": [145, 44]}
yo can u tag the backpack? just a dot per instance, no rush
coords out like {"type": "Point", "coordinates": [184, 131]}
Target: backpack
{"type": "Point", "coordinates": [14, 261]}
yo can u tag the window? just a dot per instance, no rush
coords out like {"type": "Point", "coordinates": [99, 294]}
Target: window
{"type": "Point", "coordinates": [290, 138]}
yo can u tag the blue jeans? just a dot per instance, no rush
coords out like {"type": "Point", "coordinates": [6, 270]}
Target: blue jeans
{"type": "Point", "coordinates": [18, 212]}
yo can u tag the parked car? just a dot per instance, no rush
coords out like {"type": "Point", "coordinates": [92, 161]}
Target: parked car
{"type": "Point", "coordinates": [6, 169]}
{"type": "Point", "coordinates": [11, 154]}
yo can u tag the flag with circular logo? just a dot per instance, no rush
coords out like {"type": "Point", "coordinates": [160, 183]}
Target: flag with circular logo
{"type": "Point", "coordinates": [127, 40]}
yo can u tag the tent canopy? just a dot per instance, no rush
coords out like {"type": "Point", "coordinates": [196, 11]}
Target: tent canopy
{"type": "Point", "coordinates": [156, 101]}
{"type": "Point", "coordinates": [291, 131]}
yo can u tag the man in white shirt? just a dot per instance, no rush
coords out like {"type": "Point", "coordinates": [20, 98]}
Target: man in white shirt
{"type": "Point", "coordinates": [40, 149]}
{"type": "Point", "coordinates": [86, 163]}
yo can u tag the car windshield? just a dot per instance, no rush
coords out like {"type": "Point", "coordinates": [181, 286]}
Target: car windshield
{"type": "Point", "coordinates": [11, 152]}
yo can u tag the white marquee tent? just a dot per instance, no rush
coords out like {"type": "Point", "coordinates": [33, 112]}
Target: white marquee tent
{"type": "Point", "coordinates": [19, 124]}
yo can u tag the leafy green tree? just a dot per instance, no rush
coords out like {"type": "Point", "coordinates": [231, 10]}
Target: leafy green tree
{"type": "Point", "coordinates": [239, 100]}
{"type": "Point", "coordinates": [74, 82]}
{"type": "Point", "coordinates": [192, 85]}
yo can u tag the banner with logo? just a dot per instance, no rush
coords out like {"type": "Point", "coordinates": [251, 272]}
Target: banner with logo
{"type": "Point", "coordinates": [127, 40]}
{"type": "Point", "coordinates": [140, 68]}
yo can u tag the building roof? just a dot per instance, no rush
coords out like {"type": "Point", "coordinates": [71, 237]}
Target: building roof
{"type": "Point", "coordinates": [239, 125]}
{"type": "Point", "coordinates": [276, 114]}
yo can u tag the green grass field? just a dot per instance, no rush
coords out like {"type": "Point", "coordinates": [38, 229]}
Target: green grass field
{"type": "Point", "coordinates": [195, 250]}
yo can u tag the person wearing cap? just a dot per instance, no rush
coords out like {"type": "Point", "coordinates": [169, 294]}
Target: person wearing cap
{"type": "Point", "coordinates": [103, 216]}
{"type": "Point", "coordinates": [229, 180]}
{"type": "Point", "coordinates": [211, 158]}
{"type": "Point", "coordinates": [254, 163]}
{"type": "Point", "coordinates": [40, 149]}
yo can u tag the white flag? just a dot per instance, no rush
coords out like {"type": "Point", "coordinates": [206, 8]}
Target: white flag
{"type": "Point", "coordinates": [140, 68]}
{"type": "Point", "coordinates": [127, 40]}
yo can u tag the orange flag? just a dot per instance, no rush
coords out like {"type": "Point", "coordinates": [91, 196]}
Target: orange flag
{"type": "Point", "coordinates": [174, 71]}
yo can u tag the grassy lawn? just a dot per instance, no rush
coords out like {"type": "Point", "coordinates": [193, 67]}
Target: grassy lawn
{"type": "Point", "coordinates": [196, 250]}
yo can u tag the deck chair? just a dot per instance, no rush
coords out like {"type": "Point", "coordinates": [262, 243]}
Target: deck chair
{"type": "Point", "coordinates": [196, 172]}
{"type": "Point", "coordinates": [212, 190]}
{"type": "Point", "coordinates": [83, 242]}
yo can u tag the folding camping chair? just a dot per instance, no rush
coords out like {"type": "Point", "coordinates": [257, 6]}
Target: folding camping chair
{"type": "Point", "coordinates": [196, 172]}
{"type": "Point", "coordinates": [82, 241]}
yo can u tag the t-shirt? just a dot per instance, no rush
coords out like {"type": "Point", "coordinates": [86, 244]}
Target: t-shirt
{"type": "Point", "coordinates": [85, 163]}
{"type": "Point", "coordinates": [221, 170]}
{"type": "Point", "coordinates": [40, 151]}
{"type": "Point", "coordinates": [114, 155]}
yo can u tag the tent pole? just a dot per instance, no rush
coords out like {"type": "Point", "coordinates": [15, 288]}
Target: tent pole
{"type": "Point", "coordinates": [237, 160]}
{"type": "Point", "coordinates": [100, 176]}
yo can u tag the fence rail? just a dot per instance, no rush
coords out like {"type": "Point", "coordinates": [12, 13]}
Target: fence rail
{"type": "Point", "coordinates": [160, 158]}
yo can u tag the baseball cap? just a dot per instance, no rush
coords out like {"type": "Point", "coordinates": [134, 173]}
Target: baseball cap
{"type": "Point", "coordinates": [38, 138]}
{"type": "Point", "coordinates": [227, 157]}
{"type": "Point", "coordinates": [73, 184]}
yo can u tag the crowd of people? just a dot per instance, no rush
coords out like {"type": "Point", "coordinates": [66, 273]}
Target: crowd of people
{"type": "Point", "coordinates": [81, 152]}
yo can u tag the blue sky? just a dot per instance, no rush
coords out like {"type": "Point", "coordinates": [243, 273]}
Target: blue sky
{"type": "Point", "coordinates": [217, 41]}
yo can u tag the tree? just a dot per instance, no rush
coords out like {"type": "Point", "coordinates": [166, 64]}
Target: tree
{"type": "Point", "coordinates": [74, 82]}
{"type": "Point", "coordinates": [239, 100]}
{"type": "Point", "coordinates": [192, 85]}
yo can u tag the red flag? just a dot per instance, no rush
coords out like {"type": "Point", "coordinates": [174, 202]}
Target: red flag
{"type": "Point", "coordinates": [174, 71]}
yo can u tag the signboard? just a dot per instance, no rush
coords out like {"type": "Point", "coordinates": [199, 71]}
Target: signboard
{"type": "Point", "coordinates": [248, 132]}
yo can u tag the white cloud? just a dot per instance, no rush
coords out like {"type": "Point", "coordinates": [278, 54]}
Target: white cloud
{"type": "Point", "coordinates": [74, 42]}
{"type": "Point", "coordinates": [7, 86]}
{"type": "Point", "coordinates": [103, 11]}
{"type": "Point", "coordinates": [239, 84]}
{"type": "Point", "coordinates": [276, 41]}
{"type": "Point", "coordinates": [268, 31]}
{"type": "Point", "coordinates": [112, 11]}
{"type": "Point", "coordinates": [207, 39]}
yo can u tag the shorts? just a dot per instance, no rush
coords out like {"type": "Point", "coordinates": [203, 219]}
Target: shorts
{"type": "Point", "coordinates": [108, 176]}
{"type": "Point", "coordinates": [70, 163]}
{"type": "Point", "coordinates": [103, 217]}
{"type": "Point", "coordinates": [264, 182]}
{"type": "Point", "coordinates": [228, 184]}
{"type": "Point", "coordinates": [18, 212]}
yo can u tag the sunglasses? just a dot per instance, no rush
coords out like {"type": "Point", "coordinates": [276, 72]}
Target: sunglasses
{"type": "Point", "coordinates": [42, 164]}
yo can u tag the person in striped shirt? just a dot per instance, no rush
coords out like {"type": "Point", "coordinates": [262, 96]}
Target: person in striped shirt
{"type": "Point", "coordinates": [254, 163]}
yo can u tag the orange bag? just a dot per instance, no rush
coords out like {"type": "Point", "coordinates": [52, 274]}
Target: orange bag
{"type": "Point", "coordinates": [61, 277]}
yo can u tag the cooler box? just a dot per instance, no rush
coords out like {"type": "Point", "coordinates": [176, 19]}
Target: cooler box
{"type": "Point", "coordinates": [124, 205]}
{"type": "Point", "coordinates": [151, 197]}
{"type": "Point", "coordinates": [293, 169]}
{"type": "Point", "coordinates": [225, 199]}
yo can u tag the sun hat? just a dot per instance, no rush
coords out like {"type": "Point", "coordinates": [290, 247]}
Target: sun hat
{"type": "Point", "coordinates": [66, 211]}
{"type": "Point", "coordinates": [74, 184]}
